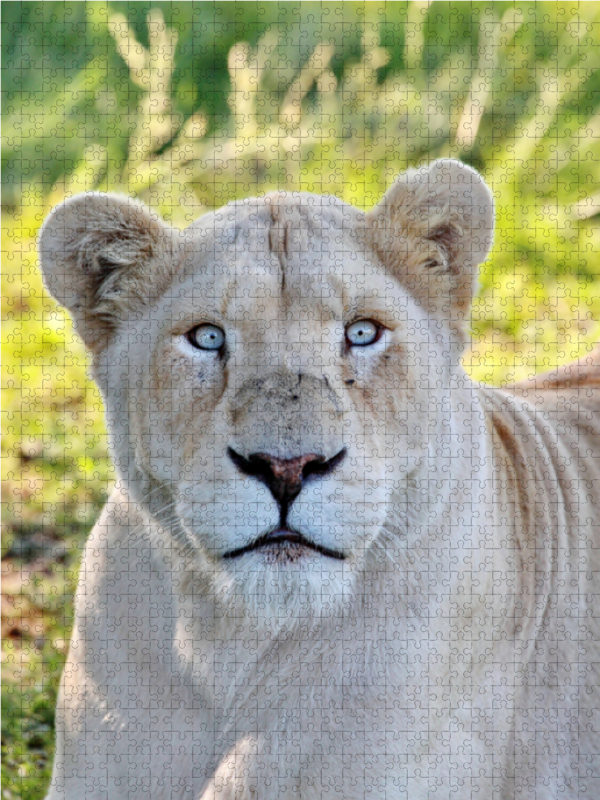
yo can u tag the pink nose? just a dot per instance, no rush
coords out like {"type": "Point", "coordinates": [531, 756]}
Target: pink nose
{"type": "Point", "coordinates": [287, 474]}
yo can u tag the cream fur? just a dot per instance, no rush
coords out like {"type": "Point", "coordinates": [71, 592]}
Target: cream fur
{"type": "Point", "coordinates": [454, 652]}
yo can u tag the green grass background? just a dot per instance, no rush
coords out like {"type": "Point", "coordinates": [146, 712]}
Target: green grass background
{"type": "Point", "coordinates": [190, 105]}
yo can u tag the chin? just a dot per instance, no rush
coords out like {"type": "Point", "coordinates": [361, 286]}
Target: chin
{"type": "Point", "coordinates": [284, 585]}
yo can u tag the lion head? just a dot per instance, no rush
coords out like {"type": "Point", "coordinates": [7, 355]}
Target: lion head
{"type": "Point", "coordinates": [279, 377]}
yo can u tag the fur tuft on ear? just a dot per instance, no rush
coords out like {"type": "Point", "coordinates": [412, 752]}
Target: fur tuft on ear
{"type": "Point", "coordinates": [432, 230]}
{"type": "Point", "coordinates": [103, 255]}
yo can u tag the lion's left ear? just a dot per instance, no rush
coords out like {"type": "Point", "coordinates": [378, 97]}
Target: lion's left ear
{"type": "Point", "coordinates": [431, 230]}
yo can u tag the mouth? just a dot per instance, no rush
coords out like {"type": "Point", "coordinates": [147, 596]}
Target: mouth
{"type": "Point", "coordinates": [287, 541]}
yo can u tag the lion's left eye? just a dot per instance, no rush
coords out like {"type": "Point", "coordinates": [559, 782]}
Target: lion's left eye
{"type": "Point", "coordinates": [207, 337]}
{"type": "Point", "coordinates": [362, 333]}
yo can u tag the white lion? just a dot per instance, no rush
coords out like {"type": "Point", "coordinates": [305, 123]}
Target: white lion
{"type": "Point", "coordinates": [333, 566]}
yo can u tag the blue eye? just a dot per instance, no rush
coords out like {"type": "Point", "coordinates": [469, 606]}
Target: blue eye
{"type": "Point", "coordinates": [207, 337]}
{"type": "Point", "coordinates": [362, 333]}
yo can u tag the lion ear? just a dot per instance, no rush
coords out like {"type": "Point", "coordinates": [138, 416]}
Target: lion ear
{"type": "Point", "coordinates": [431, 230]}
{"type": "Point", "coordinates": [102, 256]}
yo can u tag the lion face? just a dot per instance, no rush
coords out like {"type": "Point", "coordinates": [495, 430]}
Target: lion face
{"type": "Point", "coordinates": [274, 376]}
{"type": "Point", "coordinates": [287, 394]}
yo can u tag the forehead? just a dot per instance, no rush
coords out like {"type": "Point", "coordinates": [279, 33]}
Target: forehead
{"type": "Point", "coordinates": [280, 246]}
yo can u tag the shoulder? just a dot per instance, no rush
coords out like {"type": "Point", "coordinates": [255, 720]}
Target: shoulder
{"type": "Point", "coordinates": [582, 374]}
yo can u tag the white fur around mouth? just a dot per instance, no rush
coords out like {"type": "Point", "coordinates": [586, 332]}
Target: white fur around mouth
{"type": "Point", "coordinates": [287, 543]}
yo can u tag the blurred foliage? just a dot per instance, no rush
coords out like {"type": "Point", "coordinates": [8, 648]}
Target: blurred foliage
{"type": "Point", "coordinates": [189, 105]}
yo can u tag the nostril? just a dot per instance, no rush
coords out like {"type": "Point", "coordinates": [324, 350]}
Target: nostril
{"type": "Point", "coordinates": [313, 467]}
{"type": "Point", "coordinates": [256, 465]}
{"type": "Point", "coordinates": [321, 466]}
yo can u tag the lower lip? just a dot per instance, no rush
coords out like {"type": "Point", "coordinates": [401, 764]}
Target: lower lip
{"type": "Point", "coordinates": [287, 545]}
{"type": "Point", "coordinates": [283, 535]}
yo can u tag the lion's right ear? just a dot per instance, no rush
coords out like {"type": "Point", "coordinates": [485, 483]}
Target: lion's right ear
{"type": "Point", "coordinates": [102, 256]}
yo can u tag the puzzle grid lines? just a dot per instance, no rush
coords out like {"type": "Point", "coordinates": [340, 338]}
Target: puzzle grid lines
{"type": "Point", "coordinates": [186, 107]}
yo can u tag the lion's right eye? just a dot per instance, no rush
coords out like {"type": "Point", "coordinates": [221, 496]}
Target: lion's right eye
{"type": "Point", "coordinates": [207, 337]}
{"type": "Point", "coordinates": [362, 333]}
